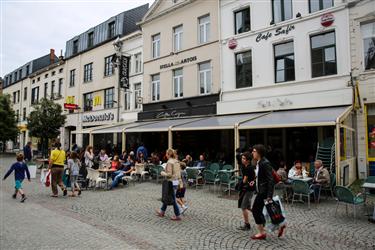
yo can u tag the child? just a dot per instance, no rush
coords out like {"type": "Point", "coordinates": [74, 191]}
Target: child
{"type": "Point", "coordinates": [19, 168]}
{"type": "Point", "coordinates": [180, 194]}
{"type": "Point", "coordinates": [74, 165]}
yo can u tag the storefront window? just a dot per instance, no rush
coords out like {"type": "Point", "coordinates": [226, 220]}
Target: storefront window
{"type": "Point", "coordinates": [371, 132]}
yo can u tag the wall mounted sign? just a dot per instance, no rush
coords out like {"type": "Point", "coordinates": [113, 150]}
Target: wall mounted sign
{"type": "Point", "coordinates": [172, 114]}
{"type": "Point", "coordinates": [124, 72]}
{"type": "Point", "coordinates": [70, 106]}
{"type": "Point", "coordinates": [98, 118]}
{"type": "Point", "coordinates": [279, 31]}
{"type": "Point", "coordinates": [232, 43]}
{"type": "Point", "coordinates": [327, 19]}
{"type": "Point", "coordinates": [97, 101]}
{"type": "Point", "coordinates": [186, 60]}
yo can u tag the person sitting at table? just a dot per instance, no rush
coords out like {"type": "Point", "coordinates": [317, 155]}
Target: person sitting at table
{"type": "Point", "coordinates": [103, 157]}
{"type": "Point", "coordinates": [116, 164]}
{"type": "Point", "coordinates": [281, 172]}
{"type": "Point", "coordinates": [201, 163]}
{"type": "Point", "coordinates": [321, 178]}
{"type": "Point", "coordinates": [140, 158]}
{"type": "Point", "coordinates": [155, 158]}
{"type": "Point", "coordinates": [125, 169]}
{"type": "Point", "coordinates": [188, 161]}
{"type": "Point", "coordinates": [124, 156]}
{"type": "Point", "coordinates": [297, 171]}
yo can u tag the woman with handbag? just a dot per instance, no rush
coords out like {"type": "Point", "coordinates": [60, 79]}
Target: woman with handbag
{"type": "Point", "coordinates": [56, 166]}
{"type": "Point", "coordinates": [173, 174]}
{"type": "Point", "coordinates": [264, 189]}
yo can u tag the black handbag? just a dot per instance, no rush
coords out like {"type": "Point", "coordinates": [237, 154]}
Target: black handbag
{"type": "Point", "coordinates": [275, 213]}
{"type": "Point", "coordinates": [167, 192]}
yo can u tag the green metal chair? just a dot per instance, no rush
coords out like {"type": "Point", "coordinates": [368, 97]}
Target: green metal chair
{"type": "Point", "coordinates": [193, 174]}
{"type": "Point", "coordinates": [370, 179]}
{"type": "Point", "coordinates": [345, 195]}
{"type": "Point", "coordinates": [227, 167]}
{"type": "Point", "coordinates": [301, 188]}
{"type": "Point", "coordinates": [210, 178]}
{"type": "Point", "coordinates": [227, 180]}
{"type": "Point", "coordinates": [331, 186]}
{"type": "Point", "coordinates": [156, 171]}
{"type": "Point", "coordinates": [214, 167]}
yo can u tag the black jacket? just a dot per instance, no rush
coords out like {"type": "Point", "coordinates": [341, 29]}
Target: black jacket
{"type": "Point", "coordinates": [265, 179]}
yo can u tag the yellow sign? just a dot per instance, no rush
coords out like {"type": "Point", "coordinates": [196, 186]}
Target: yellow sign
{"type": "Point", "coordinates": [22, 128]}
{"type": "Point", "coordinates": [97, 100]}
{"type": "Point", "coordinates": [70, 100]}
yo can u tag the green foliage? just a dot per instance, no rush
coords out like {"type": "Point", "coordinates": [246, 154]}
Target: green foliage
{"type": "Point", "coordinates": [8, 123]}
{"type": "Point", "coordinates": [46, 119]}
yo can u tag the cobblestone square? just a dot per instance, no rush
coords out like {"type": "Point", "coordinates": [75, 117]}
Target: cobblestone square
{"type": "Point", "coordinates": [125, 219]}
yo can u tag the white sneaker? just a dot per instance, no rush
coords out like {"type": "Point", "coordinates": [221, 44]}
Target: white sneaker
{"type": "Point", "coordinates": [184, 208]}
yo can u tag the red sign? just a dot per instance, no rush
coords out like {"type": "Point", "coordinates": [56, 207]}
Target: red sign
{"type": "Point", "coordinates": [70, 106]}
{"type": "Point", "coordinates": [232, 43]}
{"type": "Point", "coordinates": [327, 20]}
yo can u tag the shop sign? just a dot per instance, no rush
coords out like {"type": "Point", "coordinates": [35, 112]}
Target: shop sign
{"type": "Point", "coordinates": [327, 19]}
{"type": "Point", "coordinates": [70, 106]}
{"type": "Point", "coordinates": [124, 72]}
{"type": "Point", "coordinates": [172, 114]}
{"type": "Point", "coordinates": [279, 31]}
{"type": "Point", "coordinates": [98, 118]}
{"type": "Point", "coordinates": [232, 43]}
{"type": "Point", "coordinates": [182, 61]}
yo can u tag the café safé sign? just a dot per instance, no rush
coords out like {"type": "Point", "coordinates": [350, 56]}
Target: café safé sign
{"type": "Point", "coordinates": [264, 36]}
{"type": "Point", "coordinates": [182, 61]}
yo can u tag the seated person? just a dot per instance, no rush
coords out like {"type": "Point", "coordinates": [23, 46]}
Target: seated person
{"type": "Point", "coordinates": [116, 164]}
{"type": "Point", "coordinates": [103, 157]}
{"type": "Point", "coordinates": [124, 156]}
{"type": "Point", "coordinates": [297, 171]}
{"type": "Point", "coordinates": [201, 163]}
{"type": "Point", "coordinates": [188, 161]}
{"type": "Point", "coordinates": [282, 173]}
{"type": "Point", "coordinates": [126, 169]}
{"type": "Point", "coordinates": [140, 158]}
{"type": "Point", "coordinates": [155, 159]}
{"type": "Point", "coordinates": [321, 178]}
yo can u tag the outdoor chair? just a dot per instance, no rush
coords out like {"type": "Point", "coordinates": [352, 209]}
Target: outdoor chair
{"type": "Point", "coordinates": [331, 186]}
{"type": "Point", "coordinates": [193, 174]}
{"type": "Point", "coordinates": [94, 177]}
{"type": "Point", "coordinates": [227, 167]}
{"type": "Point", "coordinates": [156, 171]}
{"type": "Point", "coordinates": [214, 167]}
{"type": "Point", "coordinates": [345, 195]}
{"type": "Point", "coordinates": [227, 180]}
{"type": "Point", "coordinates": [129, 179]}
{"type": "Point", "coordinates": [302, 189]}
{"type": "Point", "coordinates": [140, 171]}
{"type": "Point", "coordinates": [210, 178]}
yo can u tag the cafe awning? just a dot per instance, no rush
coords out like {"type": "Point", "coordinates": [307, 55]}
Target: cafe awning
{"type": "Point", "coordinates": [161, 126]}
{"type": "Point", "coordinates": [119, 128]}
{"type": "Point", "coordinates": [326, 116]}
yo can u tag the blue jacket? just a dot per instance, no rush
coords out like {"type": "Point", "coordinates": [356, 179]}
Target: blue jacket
{"type": "Point", "coordinates": [27, 153]}
{"type": "Point", "coordinates": [19, 171]}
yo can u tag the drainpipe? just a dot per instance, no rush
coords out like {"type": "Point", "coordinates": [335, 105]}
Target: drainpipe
{"type": "Point", "coordinates": [337, 153]}
{"type": "Point", "coordinates": [123, 140]}
{"type": "Point", "coordinates": [236, 144]}
{"type": "Point", "coordinates": [91, 139]}
{"type": "Point", "coordinates": [170, 137]}
{"type": "Point", "coordinates": [220, 53]}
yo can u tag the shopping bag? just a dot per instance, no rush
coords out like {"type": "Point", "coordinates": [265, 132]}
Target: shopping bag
{"type": "Point", "coordinates": [167, 192]}
{"type": "Point", "coordinates": [47, 179]}
{"type": "Point", "coordinates": [277, 221]}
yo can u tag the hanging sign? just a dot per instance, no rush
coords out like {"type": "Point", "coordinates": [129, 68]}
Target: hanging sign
{"type": "Point", "coordinates": [327, 19]}
{"type": "Point", "coordinates": [124, 72]}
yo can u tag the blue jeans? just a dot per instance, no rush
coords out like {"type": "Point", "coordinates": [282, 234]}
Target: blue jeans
{"type": "Point", "coordinates": [118, 175]}
{"type": "Point", "coordinates": [175, 206]}
{"type": "Point", "coordinates": [316, 188]}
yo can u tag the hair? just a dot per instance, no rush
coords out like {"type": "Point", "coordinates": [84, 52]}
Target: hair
{"type": "Point", "coordinates": [247, 155]}
{"type": "Point", "coordinates": [320, 162]}
{"type": "Point", "coordinates": [171, 153]}
{"type": "Point", "coordinates": [19, 157]}
{"type": "Point", "coordinates": [88, 148]}
{"type": "Point", "coordinates": [183, 165]}
{"type": "Point", "coordinates": [116, 158]}
{"type": "Point", "coordinates": [73, 155]}
{"type": "Point", "coordinates": [29, 143]}
{"type": "Point", "coordinates": [261, 149]}
{"type": "Point", "coordinates": [297, 161]}
{"type": "Point", "coordinates": [58, 145]}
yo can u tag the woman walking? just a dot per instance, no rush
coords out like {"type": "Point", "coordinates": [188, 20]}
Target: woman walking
{"type": "Point", "coordinates": [56, 166]}
{"type": "Point", "coordinates": [264, 187]}
{"type": "Point", "coordinates": [173, 174]}
{"type": "Point", "coordinates": [73, 165]}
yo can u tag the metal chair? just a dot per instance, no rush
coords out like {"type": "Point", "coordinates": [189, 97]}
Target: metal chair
{"type": "Point", "coordinates": [301, 188]}
{"type": "Point", "coordinates": [331, 186]}
{"type": "Point", "coordinates": [227, 180]}
{"type": "Point", "coordinates": [345, 195]}
{"type": "Point", "coordinates": [210, 178]}
{"type": "Point", "coordinates": [193, 174]}
{"type": "Point", "coordinates": [214, 167]}
{"type": "Point", "coordinates": [227, 167]}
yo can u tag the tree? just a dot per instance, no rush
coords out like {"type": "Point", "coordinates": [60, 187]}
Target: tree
{"type": "Point", "coordinates": [8, 123]}
{"type": "Point", "coordinates": [45, 122]}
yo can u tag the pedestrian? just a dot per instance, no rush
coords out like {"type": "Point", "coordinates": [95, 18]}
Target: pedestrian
{"type": "Point", "coordinates": [27, 152]}
{"type": "Point", "coordinates": [246, 188]}
{"type": "Point", "coordinates": [74, 165]}
{"type": "Point", "coordinates": [173, 174]}
{"type": "Point", "coordinates": [56, 166]}
{"type": "Point", "coordinates": [264, 189]}
{"type": "Point", "coordinates": [19, 169]}
{"type": "Point", "coordinates": [180, 193]}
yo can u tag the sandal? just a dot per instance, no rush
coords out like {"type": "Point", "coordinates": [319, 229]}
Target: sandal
{"type": "Point", "coordinates": [54, 195]}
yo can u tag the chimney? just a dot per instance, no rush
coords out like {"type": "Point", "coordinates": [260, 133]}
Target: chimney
{"type": "Point", "coordinates": [61, 57]}
{"type": "Point", "coordinates": [52, 56]}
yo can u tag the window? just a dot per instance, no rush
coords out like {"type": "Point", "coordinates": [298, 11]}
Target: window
{"type": "Point", "coordinates": [138, 62]}
{"type": "Point", "coordinates": [242, 21]}
{"type": "Point", "coordinates": [87, 102]}
{"type": "Point", "coordinates": [52, 90]}
{"type": "Point", "coordinates": [177, 38]}
{"type": "Point", "coordinates": [205, 77]}
{"type": "Point", "coordinates": [75, 47]}
{"type": "Point", "coordinates": [46, 76]}
{"type": "Point", "coordinates": [137, 95]}
{"type": "Point", "coordinates": [15, 76]}
{"type": "Point", "coordinates": [14, 97]}
{"type": "Point", "coordinates": [178, 83]}
{"type": "Point", "coordinates": [33, 81]}
{"type": "Point", "coordinates": [25, 94]}
{"type": "Point", "coordinates": [108, 98]}
{"type": "Point", "coordinates": [61, 70]}
{"type": "Point", "coordinates": [371, 131]}
{"type": "Point", "coordinates": [155, 88]}
{"type": "Point", "coordinates": [127, 100]}
{"type": "Point", "coordinates": [72, 78]}
{"type": "Point", "coordinates": [204, 29]}
{"type": "Point", "coordinates": [38, 79]}
{"type": "Point", "coordinates": [87, 73]}
{"type": "Point", "coordinates": [282, 10]}
{"type": "Point", "coordinates": [90, 40]}
{"type": "Point", "coordinates": [316, 5]}
{"type": "Point", "coordinates": [53, 73]}
{"type": "Point", "coordinates": [284, 62]}
{"type": "Point", "coordinates": [368, 34]}
{"type": "Point", "coordinates": [111, 29]}
{"type": "Point", "coordinates": [59, 92]}
{"type": "Point", "coordinates": [18, 96]}
{"type": "Point", "coordinates": [20, 74]}
{"type": "Point", "coordinates": [35, 95]}
{"type": "Point", "coordinates": [27, 69]}
{"type": "Point", "coordinates": [108, 67]}
{"type": "Point", "coordinates": [323, 54]}
{"type": "Point", "coordinates": [45, 89]}
{"type": "Point", "coordinates": [24, 114]}
{"type": "Point", "coordinates": [244, 74]}
{"type": "Point", "coordinates": [18, 115]}
{"type": "Point", "coordinates": [10, 79]}
{"type": "Point", "coordinates": [156, 46]}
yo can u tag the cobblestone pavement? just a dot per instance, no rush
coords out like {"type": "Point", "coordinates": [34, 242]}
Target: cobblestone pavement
{"type": "Point", "coordinates": [125, 219]}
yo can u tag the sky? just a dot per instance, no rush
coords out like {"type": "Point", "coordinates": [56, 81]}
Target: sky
{"type": "Point", "coordinates": [30, 28]}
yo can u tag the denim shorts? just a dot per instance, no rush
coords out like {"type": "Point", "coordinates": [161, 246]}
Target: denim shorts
{"type": "Point", "coordinates": [18, 184]}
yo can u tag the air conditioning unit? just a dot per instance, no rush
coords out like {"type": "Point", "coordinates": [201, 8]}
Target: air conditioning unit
{"type": "Point", "coordinates": [139, 100]}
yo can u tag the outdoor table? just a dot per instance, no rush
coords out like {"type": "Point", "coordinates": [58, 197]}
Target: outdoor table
{"type": "Point", "coordinates": [306, 179]}
{"type": "Point", "coordinates": [366, 186]}
{"type": "Point", "coordinates": [106, 171]}
{"type": "Point", "coordinates": [199, 168]}
{"type": "Point", "coordinates": [43, 162]}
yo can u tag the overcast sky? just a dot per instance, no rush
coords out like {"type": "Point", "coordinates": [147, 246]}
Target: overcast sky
{"type": "Point", "coordinates": [29, 28]}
